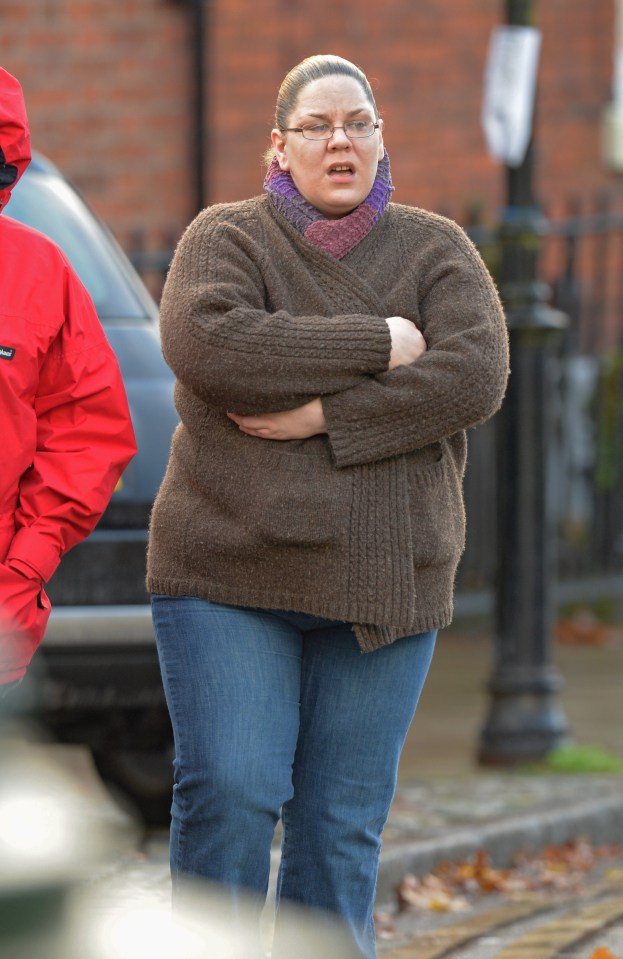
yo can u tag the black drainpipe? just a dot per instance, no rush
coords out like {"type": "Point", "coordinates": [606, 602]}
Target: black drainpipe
{"type": "Point", "coordinates": [199, 26]}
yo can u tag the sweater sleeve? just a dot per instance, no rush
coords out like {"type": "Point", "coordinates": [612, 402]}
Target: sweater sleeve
{"type": "Point", "coordinates": [459, 382]}
{"type": "Point", "coordinates": [223, 342]}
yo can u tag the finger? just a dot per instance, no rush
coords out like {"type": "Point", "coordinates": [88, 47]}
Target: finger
{"type": "Point", "coordinates": [245, 422]}
{"type": "Point", "coordinates": [235, 418]}
{"type": "Point", "coordinates": [261, 432]}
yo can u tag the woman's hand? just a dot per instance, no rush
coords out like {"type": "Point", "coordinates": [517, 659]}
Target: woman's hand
{"type": "Point", "coordinates": [408, 344]}
{"type": "Point", "coordinates": [297, 424]}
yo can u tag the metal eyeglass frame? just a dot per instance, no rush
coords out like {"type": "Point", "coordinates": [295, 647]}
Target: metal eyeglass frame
{"type": "Point", "coordinates": [363, 136]}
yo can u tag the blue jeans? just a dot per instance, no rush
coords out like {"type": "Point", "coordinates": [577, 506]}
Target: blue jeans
{"type": "Point", "coordinates": [280, 714]}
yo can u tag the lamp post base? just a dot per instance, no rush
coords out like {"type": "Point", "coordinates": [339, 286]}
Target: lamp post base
{"type": "Point", "coordinates": [525, 723]}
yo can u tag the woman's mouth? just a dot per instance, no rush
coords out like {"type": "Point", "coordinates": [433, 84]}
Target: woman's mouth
{"type": "Point", "coordinates": [340, 171]}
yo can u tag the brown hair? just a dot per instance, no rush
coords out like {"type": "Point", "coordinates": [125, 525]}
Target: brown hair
{"type": "Point", "coordinates": [314, 68]}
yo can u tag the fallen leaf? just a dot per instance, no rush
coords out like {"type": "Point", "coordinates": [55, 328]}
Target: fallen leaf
{"type": "Point", "coordinates": [584, 629]}
{"type": "Point", "coordinates": [453, 886]}
{"type": "Point", "coordinates": [429, 894]}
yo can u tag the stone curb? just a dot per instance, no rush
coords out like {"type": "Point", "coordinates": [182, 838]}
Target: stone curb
{"type": "Point", "coordinates": [599, 819]}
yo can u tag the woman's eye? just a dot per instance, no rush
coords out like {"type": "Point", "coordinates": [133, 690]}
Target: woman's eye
{"type": "Point", "coordinates": [357, 125]}
{"type": "Point", "coordinates": [318, 128]}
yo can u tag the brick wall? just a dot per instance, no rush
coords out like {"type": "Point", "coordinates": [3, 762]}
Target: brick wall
{"type": "Point", "coordinates": [107, 85]}
{"type": "Point", "coordinates": [109, 88]}
{"type": "Point", "coordinates": [575, 84]}
{"type": "Point", "coordinates": [425, 63]}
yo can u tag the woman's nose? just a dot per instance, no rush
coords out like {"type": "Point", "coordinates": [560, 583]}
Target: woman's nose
{"type": "Point", "coordinates": [338, 137]}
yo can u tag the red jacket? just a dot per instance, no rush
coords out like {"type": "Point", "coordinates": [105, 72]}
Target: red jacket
{"type": "Point", "coordinates": [65, 428]}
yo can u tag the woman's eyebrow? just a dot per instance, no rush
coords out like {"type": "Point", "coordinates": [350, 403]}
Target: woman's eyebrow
{"type": "Point", "coordinates": [324, 116]}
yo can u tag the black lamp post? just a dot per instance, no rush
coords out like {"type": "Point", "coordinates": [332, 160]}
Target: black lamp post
{"type": "Point", "coordinates": [524, 721]}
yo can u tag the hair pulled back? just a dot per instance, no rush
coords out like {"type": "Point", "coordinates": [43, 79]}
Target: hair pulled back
{"type": "Point", "coordinates": [316, 68]}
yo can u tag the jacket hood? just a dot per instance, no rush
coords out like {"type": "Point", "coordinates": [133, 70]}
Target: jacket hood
{"type": "Point", "coordinates": [14, 135]}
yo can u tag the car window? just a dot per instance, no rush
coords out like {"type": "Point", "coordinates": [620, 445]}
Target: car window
{"type": "Point", "coordinates": [47, 203]}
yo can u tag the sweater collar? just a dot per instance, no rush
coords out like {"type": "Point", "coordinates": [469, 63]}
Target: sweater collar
{"type": "Point", "coordinates": [336, 237]}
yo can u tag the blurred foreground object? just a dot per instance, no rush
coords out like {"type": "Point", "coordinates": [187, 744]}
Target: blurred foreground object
{"type": "Point", "coordinates": [52, 836]}
{"type": "Point", "coordinates": [201, 926]}
{"type": "Point", "coordinates": [60, 897]}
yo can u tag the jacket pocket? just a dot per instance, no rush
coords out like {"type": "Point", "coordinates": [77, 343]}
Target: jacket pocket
{"type": "Point", "coordinates": [436, 506]}
{"type": "Point", "coordinates": [263, 493]}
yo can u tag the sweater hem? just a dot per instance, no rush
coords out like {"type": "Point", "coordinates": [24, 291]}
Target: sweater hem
{"type": "Point", "coordinates": [370, 636]}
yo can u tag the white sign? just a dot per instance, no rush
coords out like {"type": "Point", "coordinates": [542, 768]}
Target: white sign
{"type": "Point", "coordinates": [510, 84]}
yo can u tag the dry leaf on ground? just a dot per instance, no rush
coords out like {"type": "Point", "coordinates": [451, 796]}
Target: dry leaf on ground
{"type": "Point", "coordinates": [451, 886]}
{"type": "Point", "coordinates": [584, 629]}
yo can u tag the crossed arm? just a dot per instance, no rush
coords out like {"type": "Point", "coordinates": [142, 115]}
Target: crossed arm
{"type": "Point", "coordinates": [286, 376]}
{"type": "Point", "coordinates": [408, 345]}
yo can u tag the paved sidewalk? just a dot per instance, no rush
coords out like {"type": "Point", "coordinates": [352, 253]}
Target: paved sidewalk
{"type": "Point", "coordinates": [447, 807]}
{"type": "Point", "coordinates": [451, 819]}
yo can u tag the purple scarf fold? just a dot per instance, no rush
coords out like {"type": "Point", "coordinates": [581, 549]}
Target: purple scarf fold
{"type": "Point", "coordinates": [337, 237]}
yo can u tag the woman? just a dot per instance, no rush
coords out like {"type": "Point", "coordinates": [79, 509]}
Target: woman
{"type": "Point", "coordinates": [330, 348]}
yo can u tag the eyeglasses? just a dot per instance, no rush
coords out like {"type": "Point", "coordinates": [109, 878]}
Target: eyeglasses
{"type": "Point", "coordinates": [354, 130]}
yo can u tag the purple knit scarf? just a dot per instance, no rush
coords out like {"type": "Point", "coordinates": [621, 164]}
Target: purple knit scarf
{"type": "Point", "coordinates": [337, 237]}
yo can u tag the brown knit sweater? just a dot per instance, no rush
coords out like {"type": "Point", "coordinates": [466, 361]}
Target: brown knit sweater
{"type": "Point", "coordinates": [365, 524]}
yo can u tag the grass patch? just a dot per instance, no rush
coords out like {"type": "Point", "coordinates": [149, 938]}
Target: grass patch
{"type": "Point", "coordinates": [578, 759]}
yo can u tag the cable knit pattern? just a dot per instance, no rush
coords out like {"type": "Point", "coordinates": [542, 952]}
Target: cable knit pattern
{"type": "Point", "coordinates": [338, 236]}
{"type": "Point", "coordinates": [365, 524]}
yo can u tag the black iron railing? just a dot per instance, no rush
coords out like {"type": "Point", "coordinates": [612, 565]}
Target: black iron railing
{"type": "Point", "coordinates": [581, 260]}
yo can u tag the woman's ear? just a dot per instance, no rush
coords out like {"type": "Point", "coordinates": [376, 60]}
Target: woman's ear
{"type": "Point", "coordinates": [381, 144]}
{"type": "Point", "coordinates": [279, 144]}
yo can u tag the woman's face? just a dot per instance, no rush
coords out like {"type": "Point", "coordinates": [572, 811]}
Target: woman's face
{"type": "Point", "coordinates": [333, 175]}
